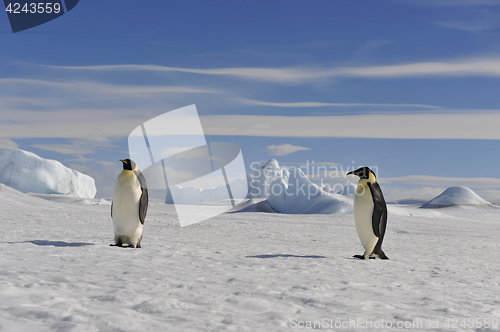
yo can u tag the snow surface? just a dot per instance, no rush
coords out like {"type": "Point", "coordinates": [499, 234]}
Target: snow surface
{"type": "Point", "coordinates": [240, 271]}
{"type": "Point", "coordinates": [27, 172]}
{"type": "Point", "coordinates": [457, 196]}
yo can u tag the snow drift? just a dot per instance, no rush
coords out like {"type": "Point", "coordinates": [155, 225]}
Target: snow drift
{"type": "Point", "coordinates": [457, 196]}
{"type": "Point", "coordinates": [27, 172]}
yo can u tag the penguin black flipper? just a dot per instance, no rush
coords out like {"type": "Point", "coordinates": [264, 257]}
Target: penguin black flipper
{"type": "Point", "coordinates": [111, 209]}
{"type": "Point", "coordinates": [143, 203]}
{"type": "Point", "coordinates": [379, 217]}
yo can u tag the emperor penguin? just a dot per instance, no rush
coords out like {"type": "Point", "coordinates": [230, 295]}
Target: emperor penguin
{"type": "Point", "coordinates": [130, 205]}
{"type": "Point", "coordinates": [370, 214]}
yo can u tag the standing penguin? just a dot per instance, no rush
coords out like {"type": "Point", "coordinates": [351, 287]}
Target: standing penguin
{"type": "Point", "coordinates": [130, 205]}
{"type": "Point", "coordinates": [370, 214]}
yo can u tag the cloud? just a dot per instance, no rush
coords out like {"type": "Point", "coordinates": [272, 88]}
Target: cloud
{"type": "Point", "coordinates": [79, 147]}
{"type": "Point", "coordinates": [106, 163]}
{"type": "Point", "coordinates": [471, 125]}
{"type": "Point", "coordinates": [85, 109]}
{"type": "Point", "coordinates": [473, 26]}
{"type": "Point", "coordinates": [100, 111]}
{"type": "Point", "coordinates": [299, 75]}
{"type": "Point", "coordinates": [63, 148]}
{"type": "Point", "coordinates": [318, 104]}
{"type": "Point", "coordinates": [281, 75]}
{"type": "Point", "coordinates": [103, 89]}
{"type": "Point", "coordinates": [79, 158]}
{"type": "Point", "coordinates": [485, 67]}
{"type": "Point", "coordinates": [284, 149]}
{"type": "Point", "coordinates": [8, 144]}
{"type": "Point", "coordinates": [445, 182]}
{"type": "Point", "coordinates": [453, 3]}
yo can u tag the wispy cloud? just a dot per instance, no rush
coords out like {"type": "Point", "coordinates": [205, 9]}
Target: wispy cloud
{"type": "Point", "coordinates": [284, 149]}
{"type": "Point", "coordinates": [106, 163]}
{"type": "Point", "coordinates": [472, 125]}
{"type": "Point", "coordinates": [319, 104]}
{"type": "Point", "coordinates": [474, 26]}
{"type": "Point", "coordinates": [454, 3]}
{"type": "Point", "coordinates": [427, 180]}
{"type": "Point", "coordinates": [63, 148]}
{"type": "Point", "coordinates": [298, 75]}
{"type": "Point", "coordinates": [78, 147]}
{"type": "Point", "coordinates": [472, 20]}
{"type": "Point", "coordinates": [111, 90]}
{"type": "Point", "coordinates": [8, 144]}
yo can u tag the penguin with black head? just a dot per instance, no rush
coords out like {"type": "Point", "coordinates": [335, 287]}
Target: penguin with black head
{"type": "Point", "coordinates": [130, 205]}
{"type": "Point", "coordinates": [370, 214]}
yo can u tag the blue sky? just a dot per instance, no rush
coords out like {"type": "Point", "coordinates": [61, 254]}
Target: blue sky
{"type": "Point", "coordinates": [410, 87]}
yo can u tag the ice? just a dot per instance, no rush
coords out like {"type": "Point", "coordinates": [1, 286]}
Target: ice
{"type": "Point", "coordinates": [300, 195]}
{"type": "Point", "coordinates": [457, 196]}
{"type": "Point", "coordinates": [243, 271]}
{"type": "Point", "coordinates": [263, 177]}
{"type": "Point", "coordinates": [27, 172]}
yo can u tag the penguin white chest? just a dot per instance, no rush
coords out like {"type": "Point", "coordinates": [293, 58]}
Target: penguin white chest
{"type": "Point", "coordinates": [126, 200]}
{"type": "Point", "coordinates": [363, 212]}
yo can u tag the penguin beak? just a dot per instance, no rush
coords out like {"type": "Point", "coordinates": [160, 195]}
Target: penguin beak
{"type": "Point", "coordinates": [124, 161]}
{"type": "Point", "coordinates": [354, 173]}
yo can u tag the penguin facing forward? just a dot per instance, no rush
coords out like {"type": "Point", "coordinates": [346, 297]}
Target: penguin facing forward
{"type": "Point", "coordinates": [370, 214]}
{"type": "Point", "coordinates": [130, 205]}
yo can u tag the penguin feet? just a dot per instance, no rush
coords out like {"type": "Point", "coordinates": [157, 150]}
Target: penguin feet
{"type": "Point", "coordinates": [383, 256]}
{"type": "Point", "coordinates": [371, 257]}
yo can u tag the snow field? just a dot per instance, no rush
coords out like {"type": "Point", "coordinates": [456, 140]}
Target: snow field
{"type": "Point", "coordinates": [239, 271]}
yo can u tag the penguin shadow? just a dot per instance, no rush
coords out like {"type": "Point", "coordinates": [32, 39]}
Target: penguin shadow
{"type": "Point", "coordinates": [55, 243]}
{"type": "Point", "coordinates": [285, 256]}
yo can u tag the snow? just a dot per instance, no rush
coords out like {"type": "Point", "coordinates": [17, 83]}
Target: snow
{"type": "Point", "coordinates": [241, 271]}
{"type": "Point", "coordinates": [457, 196]}
{"type": "Point", "coordinates": [27, 172]}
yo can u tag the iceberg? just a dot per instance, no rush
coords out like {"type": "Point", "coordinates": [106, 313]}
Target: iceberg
{"type": "Point", "coordinates": [29, 173]}
{"type": "Point", "coordinates": [298, 195]}
{"type": "Point", "coordinates": [263, 177]}
{"type": "Point", "coordinates": [457, 196]}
